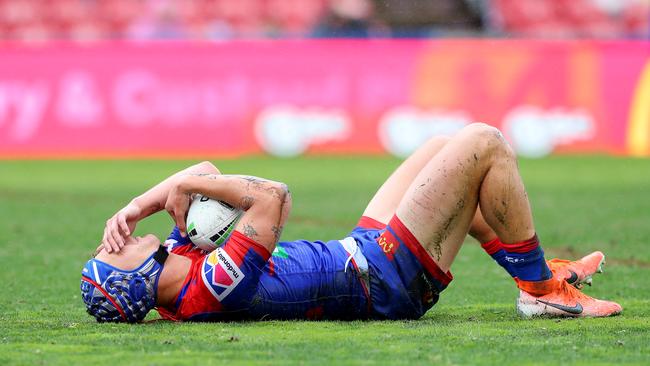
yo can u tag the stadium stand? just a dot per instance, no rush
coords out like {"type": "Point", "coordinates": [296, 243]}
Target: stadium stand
{"type": "Point", "coordinates": [32, 20]}
{"type": "Point", "coordinates": [572, 18]}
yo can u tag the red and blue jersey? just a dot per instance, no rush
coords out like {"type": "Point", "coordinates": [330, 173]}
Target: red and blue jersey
{"type": "Point", "coordinates": [220, 285]}
{"type": "Point", "coordinates": [312, 280]}
{"type": "Point", "coordinates": [379, 271]}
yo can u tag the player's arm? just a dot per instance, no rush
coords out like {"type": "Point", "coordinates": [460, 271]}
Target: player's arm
{"type": "Point", "coordinates": [266, 203]}
{"type": "Point", "coordinates": [123, 223]}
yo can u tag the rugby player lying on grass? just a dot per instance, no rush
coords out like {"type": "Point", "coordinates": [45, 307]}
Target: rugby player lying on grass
{"type": "Point", "coordinates": [393, 265]}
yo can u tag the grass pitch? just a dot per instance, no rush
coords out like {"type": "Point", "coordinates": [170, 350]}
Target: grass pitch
{"type": "Point", "coordinates": [52, 215]}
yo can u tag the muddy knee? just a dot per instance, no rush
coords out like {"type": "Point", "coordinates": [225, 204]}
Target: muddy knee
{"type": "Point", "coordinates": [486, 140]}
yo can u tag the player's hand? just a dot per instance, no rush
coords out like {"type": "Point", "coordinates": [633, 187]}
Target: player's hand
{"type": "Point", "coordinates": [178, 202]}
{"type": "Point", "coordinates": [119, 227]}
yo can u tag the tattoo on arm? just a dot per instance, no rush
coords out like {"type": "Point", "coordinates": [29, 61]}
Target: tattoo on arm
{"type": "Point", "coordinates": [277, 232]}
{"type": "Point", "coordinates": [252, 179]}
{"type": "Point", "coordinates": [250, 231]}
{"type": "Point", "coordinates": [207, 175]}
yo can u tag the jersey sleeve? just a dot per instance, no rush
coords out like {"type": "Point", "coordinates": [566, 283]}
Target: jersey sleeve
{"type": "Point", "coordinates": [180, 245]}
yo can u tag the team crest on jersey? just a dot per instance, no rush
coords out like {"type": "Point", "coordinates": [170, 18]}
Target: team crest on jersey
{"type": "Point", "coordinates": [220, 273]}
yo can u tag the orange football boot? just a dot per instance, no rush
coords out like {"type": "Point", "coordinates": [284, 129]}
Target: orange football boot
{"type": "Point", "coordinates": [557, 298]}
{"type": "Point", "coordinates": [579, 272]}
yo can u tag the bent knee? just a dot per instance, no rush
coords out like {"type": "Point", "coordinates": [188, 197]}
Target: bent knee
{"type": "Point", "coordinates": [482, 130]}
{"type": "Point", "coordinates": [487, 139]}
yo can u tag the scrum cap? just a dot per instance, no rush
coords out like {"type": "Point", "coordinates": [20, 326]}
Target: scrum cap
{"type": "Point", "coordinates": [115, 295]}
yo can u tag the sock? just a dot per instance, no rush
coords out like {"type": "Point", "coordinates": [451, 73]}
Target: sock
{"type": "Point", "coordinates": [494, 249]}
{"type": "Point", "coordinates": [526, 260]}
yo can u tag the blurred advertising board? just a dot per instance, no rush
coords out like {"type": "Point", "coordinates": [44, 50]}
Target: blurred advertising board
{"type": "Point", "coordinates": [286, 98]}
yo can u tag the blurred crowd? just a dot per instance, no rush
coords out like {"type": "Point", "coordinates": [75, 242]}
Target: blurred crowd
{"type": "Point", "coordinates": [36, 20]}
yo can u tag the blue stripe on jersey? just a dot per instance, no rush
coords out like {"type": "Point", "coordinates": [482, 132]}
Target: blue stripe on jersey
{"type": "Point", "coordinates": [308, 280]}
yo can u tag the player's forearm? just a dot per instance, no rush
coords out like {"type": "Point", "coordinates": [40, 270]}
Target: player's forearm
{"type": "Point", "coordinates": [240, 191]}
{"type": "Point", "coordinates": [153, 200]}
{"type": "Point", "coordinates": [267, 203]}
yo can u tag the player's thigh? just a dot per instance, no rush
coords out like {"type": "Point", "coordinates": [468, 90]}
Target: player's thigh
{"type": "Point", "coordinates": [384, 204]}
{"type": "Point", "coordinates": [440, 203]}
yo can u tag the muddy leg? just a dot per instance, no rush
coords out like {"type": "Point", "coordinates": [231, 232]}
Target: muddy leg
{"type": "Point", "coordinates": [476, 165]}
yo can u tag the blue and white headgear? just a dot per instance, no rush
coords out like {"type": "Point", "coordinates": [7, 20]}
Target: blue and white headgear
{"type": "Point", "coordinates": [115, 295]}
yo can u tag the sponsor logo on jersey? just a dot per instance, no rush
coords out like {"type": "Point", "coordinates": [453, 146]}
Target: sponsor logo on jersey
{"type": "Point", "coordinates": [280, 252]}
{"type": "Point", "coordinates": [220, 274]}
{"type": "Point", "coordinates": [387, 245]}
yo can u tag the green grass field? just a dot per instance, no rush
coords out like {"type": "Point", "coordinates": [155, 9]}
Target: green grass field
{"type": "Point", "coordinates": [52, 215]}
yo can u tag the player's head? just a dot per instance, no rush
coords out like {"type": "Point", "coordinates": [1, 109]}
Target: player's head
{"type": "Point", "coordinates": [115, 295]}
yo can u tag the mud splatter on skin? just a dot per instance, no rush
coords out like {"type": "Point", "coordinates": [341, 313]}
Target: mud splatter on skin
{"type": "Point", "coordinates": [440, 236]}
{"type": "Point", "coordinates": [246, 202]}
{"type": "Point", "coordinates": [500, 217]}
{"type": "Point", "coordinates": [452, 217]}
{"type": "Point", "coordinates": [501, 212]}
{"type": "Point", "coordinates": [448, 226]}
{"type": "Point", "coordinates": [437, 249]}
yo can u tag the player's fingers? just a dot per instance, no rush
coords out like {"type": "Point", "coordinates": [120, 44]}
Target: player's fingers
{"type": "Point", "coordinates": [110, 239]}
{"type": "Point", "coordinates": [108, 242]}
{"type": "Point", "coordinates": [114, 233]}
{"type": "Point", "coordinates": [113, 242]}
{"type": "Point", "coordinates": [121, 220]}
{"type": "Point", "coordinates": [179, 217]}
{"type": "Point", "coordinates": [170, 211]}
{"type": "Point", "coordinates": [117, 236]}
{"type": "Point", "coordinates": [105, 242]}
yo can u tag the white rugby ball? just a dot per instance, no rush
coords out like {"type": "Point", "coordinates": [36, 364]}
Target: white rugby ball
{"type": "Point", "coordinates": [211, 222]}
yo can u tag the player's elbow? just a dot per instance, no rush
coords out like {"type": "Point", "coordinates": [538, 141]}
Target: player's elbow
{"type": "Point", "coordinates": [286, 195]}
{"type": "Point", "coordinates": [276, 194]}
{"type": "Point", "coordinates": [281, 203]}
{"type": "Point", "coordinates": [207, 167]}
{"type": "Point", "coordinates": [280, 192]}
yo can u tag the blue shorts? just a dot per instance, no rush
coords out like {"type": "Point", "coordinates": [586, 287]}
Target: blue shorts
{"type": "Point", "coordinates": [404, 280]}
